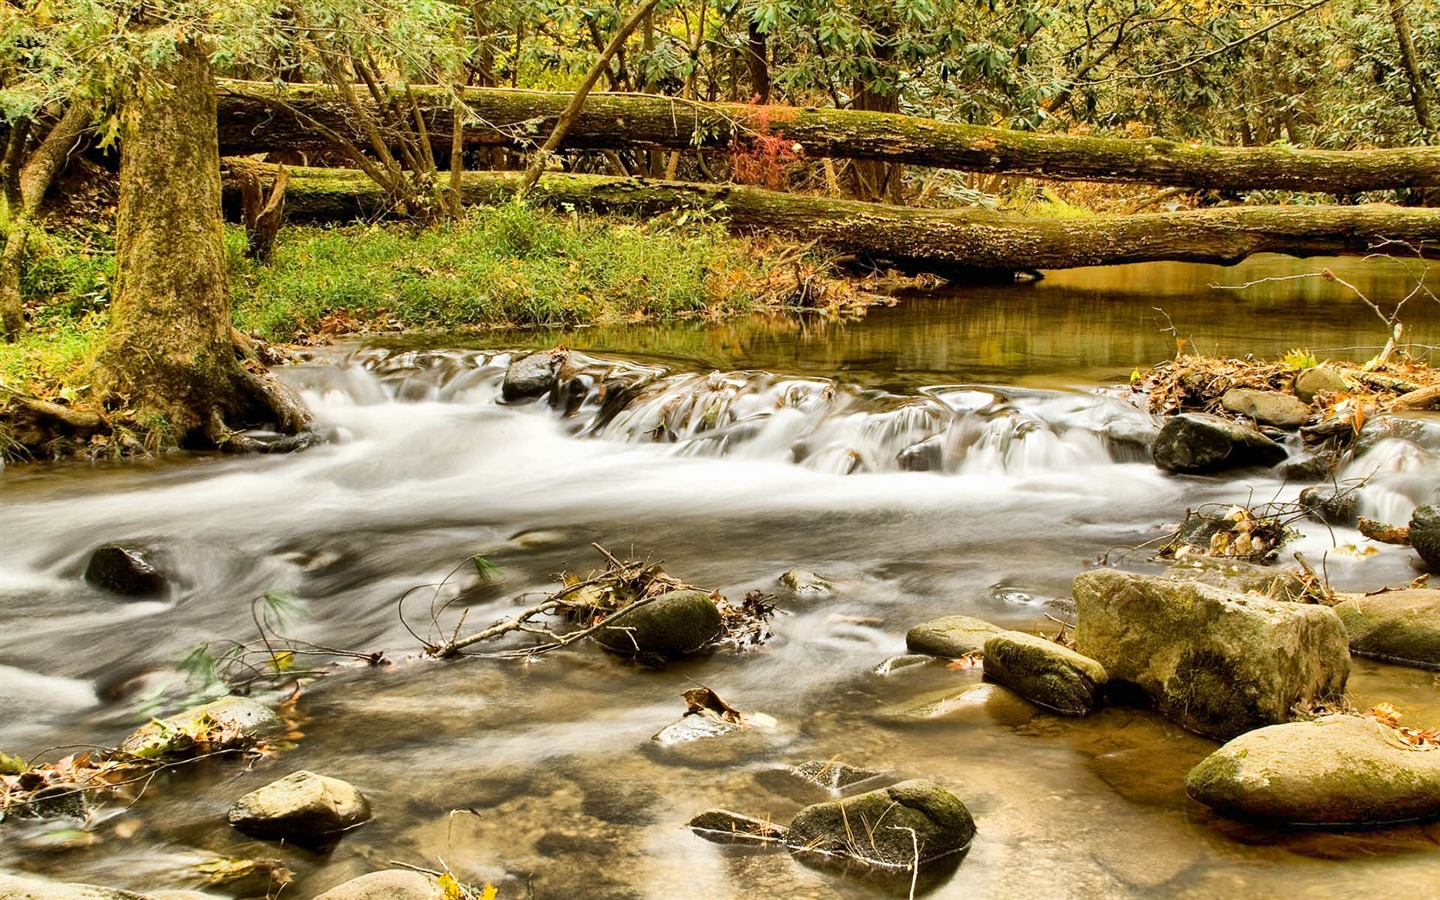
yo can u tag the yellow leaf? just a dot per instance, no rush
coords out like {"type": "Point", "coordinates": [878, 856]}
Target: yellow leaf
{"type": "Point", "coordinates": [451, 887]}
{"type": "Point", "coordinates": [489, 892]}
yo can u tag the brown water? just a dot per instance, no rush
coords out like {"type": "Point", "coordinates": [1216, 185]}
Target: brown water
{"type": "Point", "coordinates": [541, 776]}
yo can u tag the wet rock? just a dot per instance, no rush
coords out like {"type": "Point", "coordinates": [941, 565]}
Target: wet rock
{"type": "Point", "coordinates": [1195, 443]}
{"type": "Point", "coordinates": [1267, 407]}
{"type": "Point", "coordinates": [1425, 535]}
{"type": "Point", "coordinates": [1337, 771]}
{"type": "Point", "coordinates": [227, 723]}
{"type": "Point", "coordinates": [127, 571]}
{"type": "Point", "coordinates": [694, 727]}
{"type": "Point", "coordinates": [1318, 380]}
{"type": "Point", "coordinates": [532, 376]}
{"type": "Point", "coordinates": [1215, 661]}
{"type": "Point", "coordinates": [303, 808]}
{"type": "Point", "coordinates": [1326, 503]}
{"type": "Point", "coordinates": [15, 888]}
{"type": "Point", "coordinates": [895, 664]}
{"type": "Point", "coordinates": [1396, 626]}
{"type": "Point", "coordinates": [923, 456]}
{"type": "Point", "coordinates": [1240, 576]}
{"type": "Point", "coordinates": [703, 740]}
{"type": "Point", "coordinates": [803, 581]}
{"type": "Point", "coordinates": [1045, 672]}
{"type": "Point", "coordinates": [1318, 465]}
{"type": "Point", "coordinates": [55, 801]}
{"type": "Point", "coordinates": [885, 827]}
{"type": "Point", "coordinates": [950, 637]}
{"type": "Point", "coordinates": [390, 884]}
{"type": "Point", "coordinates": [982, 704]}
{"type": "Point", "coordinates": [724, 827]}
{"type": "Point", "coordinates": [831, 775]}
{"type": "Point", "coordinates": [672, 625]}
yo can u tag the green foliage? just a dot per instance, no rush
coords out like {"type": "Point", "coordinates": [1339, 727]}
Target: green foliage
{"type": "Point", "coordinates": [511, 265]}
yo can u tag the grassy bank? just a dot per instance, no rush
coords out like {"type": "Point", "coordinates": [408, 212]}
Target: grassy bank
{"type": "Point", "coordinates": [509, 266]}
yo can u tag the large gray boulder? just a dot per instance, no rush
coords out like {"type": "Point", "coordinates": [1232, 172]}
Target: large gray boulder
{"type": "Point", "coordinates": [388, 884]}
{"type": "Point", "coordinates": [1196, 443]}
{"type": "Point", "coordinates": [885, 827]}
{"type": "Point", "coordinates": [668, 627]}
{"type": "Point", "coordinates": [1397, 626]}
{"type": "Point", "coordinates": [225, 724]}
{"type": "Point", "coordinates": [1425, 535]}
{"type": "Point", "coordinates": [1217, 662]}
{"type": "Point", "coordinates": [303, 808]}
{"type": "Point", "coordinates": [1266, 407]}
{"type": "Point", "coordinates": [1337, 771]}
{"type": "Point", "coordinates": [950, 637]}
{"type": "Point", "coordinates": [1045, 672]}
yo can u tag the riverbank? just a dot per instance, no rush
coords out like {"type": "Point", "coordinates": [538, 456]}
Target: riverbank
{"type": "Point", "coordinates": [501, 267]}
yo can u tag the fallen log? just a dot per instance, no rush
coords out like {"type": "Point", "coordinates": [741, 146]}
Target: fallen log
{"type": "Point", "coordinates": [254, 118]}
{"type": "Point", "coordinates": [953, 243]}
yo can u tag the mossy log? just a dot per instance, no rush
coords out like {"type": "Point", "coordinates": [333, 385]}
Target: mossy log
{"type": "Point", "coordinates": [953, 243]}
{"type": "Point", "coordinates": [253, 119]}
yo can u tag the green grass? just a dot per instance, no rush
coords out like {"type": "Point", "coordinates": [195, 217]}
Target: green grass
{"type": "Point", "coordinates": [498, 267]}
{"type": "Point", "coordinates": [508, 266]}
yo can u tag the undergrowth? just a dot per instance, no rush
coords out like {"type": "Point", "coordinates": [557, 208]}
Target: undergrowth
{"type": "Point", "coordinates": [507, 266]}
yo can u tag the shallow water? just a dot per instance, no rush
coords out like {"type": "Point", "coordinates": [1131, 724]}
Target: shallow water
{"type": "Point", "coordinates": [781, 448]}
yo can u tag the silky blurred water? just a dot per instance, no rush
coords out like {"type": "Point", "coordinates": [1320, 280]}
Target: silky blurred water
{"type": "Point", "coordinates": [954, 454]}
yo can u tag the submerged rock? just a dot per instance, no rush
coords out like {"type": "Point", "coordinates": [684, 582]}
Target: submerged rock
{"type": "Point", "coordinates": [127, 571]}
{"type": "Point", "coordinates": [670, 626]}
{"type": "Point", "coordinates": [1215, 661]}
{"type": "Point", "coordinates": [1425, 535]}
{"type": "Point", "coordinates": [831, 775]}
{"type": "Point", "coordinates": [532, 376]}
{"type": "Point", "coordinates": [389, 884]}
{"type": "Point", "coordinates": [950, 637]}
{"type": "Point", "coordinates": [890, 827]}
{"type": "Point", "coordinates": [303, 808]}
{"type": "Point", "coordinates": [1045, 672]}
{"type": "Point", "coordinates": [1267, 407]}
{"type": "Point", "coordinates": [1337, 771]}
{"type": "Point", "coordinates": [55, 801]}
{"type": "Point", "coordinates": [1396, 626]}
{"type": "Point", "coordinates": [225, 724]}
{"type": "Point", "coordinates": [982, 704]}
{"type": "Point", "coordinates": [803, 581]}
{"type": "Point", "coordinates": [725, 827]}
{"type": "Point", "coordinates": [1196, 443]}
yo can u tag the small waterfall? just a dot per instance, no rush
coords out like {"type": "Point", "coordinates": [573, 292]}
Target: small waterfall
{"type": "Point", "coordinates": [820, 424]}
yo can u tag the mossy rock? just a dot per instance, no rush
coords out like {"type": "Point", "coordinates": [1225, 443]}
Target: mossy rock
{"type": "Point", "coordinates": [1044, 672]}
{"type": "Point", "coordinates": [888, 827]}
{"type": "Point", "coordinates": [1196, 443]}
{"type": "Point", "coordinates": [670, 626]}
{"type": "Point", "coordinates": [950, 637]}
{"type": "Point", "coordinates": [1213, 660]}
{"type": "Point", "coordinates": [1396, 626]}
{"type": "Point", "coordinates": [1337, 771]}
{"type": "Point", "coordinates": [1425, 535]}
{"type": "Point", "coordinates": [225, 724]}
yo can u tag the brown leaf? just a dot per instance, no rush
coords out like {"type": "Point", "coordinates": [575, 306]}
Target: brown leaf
{"type": "Point", "coordinates": [703, 699]}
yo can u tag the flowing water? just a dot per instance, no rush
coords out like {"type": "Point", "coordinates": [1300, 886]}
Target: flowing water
{"type": "Point", "coordinates": [954, 454]}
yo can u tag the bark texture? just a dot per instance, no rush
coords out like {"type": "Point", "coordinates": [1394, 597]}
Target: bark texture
{"type": "Point", "coordinates": [169, 355]}
{"type": "Point", "coordinates": [948, 242]}
{"type": "Point", "coordinates": [252, 121]}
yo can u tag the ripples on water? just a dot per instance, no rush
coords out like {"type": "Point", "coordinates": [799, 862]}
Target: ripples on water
{"type": "Point", "coordinates": [917, 497]}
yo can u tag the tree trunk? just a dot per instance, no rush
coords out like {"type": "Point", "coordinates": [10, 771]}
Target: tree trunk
{"type": "Point", "coordinates": [168, 355]}
{"type": "Point", "coordinates": [1408, 62]}
{"type": "Point", "coordinates": [951, 243]}
{"type": "Point", "coordinates": [251, 123]}
{"type": "Point", "coordinates": [757, 57]}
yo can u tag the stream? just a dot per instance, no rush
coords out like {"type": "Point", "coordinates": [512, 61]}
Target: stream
{"type": "Point", "coordinates": [959, 453]}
